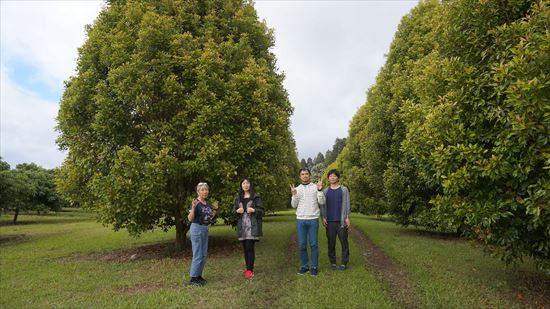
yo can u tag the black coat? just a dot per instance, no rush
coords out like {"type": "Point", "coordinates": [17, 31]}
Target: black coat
{"type": "Point", "coordinates": [255, 218]}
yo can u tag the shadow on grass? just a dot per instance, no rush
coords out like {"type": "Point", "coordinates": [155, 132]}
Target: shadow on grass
{"type": "Point", "coordinates": [43, 221]}
{"type": "Point", "coordinates": [285, 213]}
{"type": "Point", "coordinates": [416, 231]}
{"type": "Point", "coordinates": [13, 239]}
{"type": "Point", "coordinates": [217, 247]}
{"type": "Point", "coordinates": [279, 217]}
{"type": "Point", "coordinates": [431, 234]}
{"type": "Point", "coordinates": [382, 219]}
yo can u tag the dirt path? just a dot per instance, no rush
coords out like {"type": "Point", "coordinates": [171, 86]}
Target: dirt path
{"type": "Point", "coordinates": [394, 277]}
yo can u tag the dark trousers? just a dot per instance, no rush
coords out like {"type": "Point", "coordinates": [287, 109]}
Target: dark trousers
{"type": "Point", "coordinates": [248, 246]}
{"type": "Point", "coordinates": [333, 229]}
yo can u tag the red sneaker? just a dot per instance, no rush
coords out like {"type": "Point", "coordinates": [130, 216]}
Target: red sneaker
{"type": "Point", "coordinates": [248, 274]}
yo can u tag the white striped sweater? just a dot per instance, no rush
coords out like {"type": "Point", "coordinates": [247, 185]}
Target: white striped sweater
{"type": "Point", "coordinates": [306, 201]}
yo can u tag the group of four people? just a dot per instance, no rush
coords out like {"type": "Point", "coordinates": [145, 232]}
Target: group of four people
{"type": "Point", "coordinates": [311, 202]}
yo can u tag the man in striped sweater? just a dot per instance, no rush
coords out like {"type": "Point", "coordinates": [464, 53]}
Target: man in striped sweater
{"type": "Point", "coordinates": [306, 198]}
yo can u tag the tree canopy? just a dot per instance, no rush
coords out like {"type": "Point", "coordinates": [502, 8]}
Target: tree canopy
{"type": "Point", "coordinates": [167, 94]}
{"type": "Point", "coordinates": [28, 187]}
{"type": "Point", "coordinates": [455, 133]}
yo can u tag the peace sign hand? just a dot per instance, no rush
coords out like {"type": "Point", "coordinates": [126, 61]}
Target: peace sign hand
{"type": "Point", "coordinates": [293, 189]}
{"type": "Point", "coordinates": [320, 185]}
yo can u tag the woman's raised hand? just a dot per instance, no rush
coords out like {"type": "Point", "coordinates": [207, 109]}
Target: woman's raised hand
{"type": "Point", "coordinates": [216, 204]}
{"type": "Point", "coordinates": [240, 210]}
{"type": "Point", "coordinates": [250, 210]}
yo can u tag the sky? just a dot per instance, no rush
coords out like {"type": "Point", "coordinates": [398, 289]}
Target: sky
{"type": "Point", "coordinates": [329, 51]}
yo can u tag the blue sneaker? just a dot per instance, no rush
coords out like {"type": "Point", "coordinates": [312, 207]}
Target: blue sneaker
{"type": "Point", "coordinates": [314, 272]}
{"type": "Point", "coordinates": [303, 270]}
{"type": "Point", "coordinates": [343, 267]}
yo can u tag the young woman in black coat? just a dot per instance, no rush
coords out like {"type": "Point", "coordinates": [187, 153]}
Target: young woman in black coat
{"type": "Point", "coordinates": [248, 211]}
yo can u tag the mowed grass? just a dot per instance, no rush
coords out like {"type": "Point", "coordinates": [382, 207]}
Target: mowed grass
{"type": "Point", "coordinates": [448, 272]}
{"type": "Point", "coordinates": [353, 288]}
{"type": "Point", "coordinates": [63, 261]}
{"type": "Point", "coordinates": [71, 261]}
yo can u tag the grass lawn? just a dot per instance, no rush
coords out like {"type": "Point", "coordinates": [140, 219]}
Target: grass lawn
{"type": "Point", "coordinates": [454, 273]}
{"type": "Point", "coordinates": [70, 261]}
{"type": "Point", "coordinates": [65, 261]}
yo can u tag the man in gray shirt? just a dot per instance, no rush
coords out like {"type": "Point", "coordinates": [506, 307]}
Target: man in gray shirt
{"type": "Point", "coordinates": [335, 214]}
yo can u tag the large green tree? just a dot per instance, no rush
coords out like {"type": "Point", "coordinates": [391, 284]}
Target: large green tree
{"type": "Point", "coordinates": [167, 94]}
{"type": "Point", "coordinates": [455, 133]}
{"type": "Point", "coordinates": [482, 127]}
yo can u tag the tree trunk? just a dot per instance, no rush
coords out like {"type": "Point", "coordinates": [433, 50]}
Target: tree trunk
{"type": "Point", "coordinates": [179, 187]}
{"type": "Point", "coordinates": [181, 229]}
{"type": "Point", "coordinates": [15, 216]}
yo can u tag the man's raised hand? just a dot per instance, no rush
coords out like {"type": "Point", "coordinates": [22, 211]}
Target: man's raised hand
{"type": "Point", "coordinates": [293, 189]}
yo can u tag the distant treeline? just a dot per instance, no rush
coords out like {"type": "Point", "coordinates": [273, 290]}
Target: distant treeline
{"type": "Point", "coordinates": [28, 187]}
{"type": "Point", "coordinates": [319, 165]}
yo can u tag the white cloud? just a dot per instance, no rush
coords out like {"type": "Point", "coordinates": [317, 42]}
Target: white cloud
{"type": "Point", "coordinates": [46, 34]}
{"type": "Point", "coordinates": [43, 35]}
{"type": "Point", "coordinates": [27, 126]}
{"type": "Point", "coordinates": [331, 52]}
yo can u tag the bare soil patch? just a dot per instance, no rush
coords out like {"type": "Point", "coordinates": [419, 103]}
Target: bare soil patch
{"type": "Point", "coordinates": [394, 277]}
{"type": "Point", "coordinates": [531, 290]}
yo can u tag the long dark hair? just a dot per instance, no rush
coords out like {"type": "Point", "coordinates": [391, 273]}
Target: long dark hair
{"type": "Point", "coordinates": [251, 190]}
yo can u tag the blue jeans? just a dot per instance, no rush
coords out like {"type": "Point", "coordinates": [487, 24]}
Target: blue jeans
{"type": "Point", "coordinates": [308, 229]}
{"type": "Point", "coordinates": [199, 243]}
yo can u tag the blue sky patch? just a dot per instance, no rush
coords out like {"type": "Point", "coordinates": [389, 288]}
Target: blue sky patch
{"type": "Point", "coordinates": [29, 78]}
